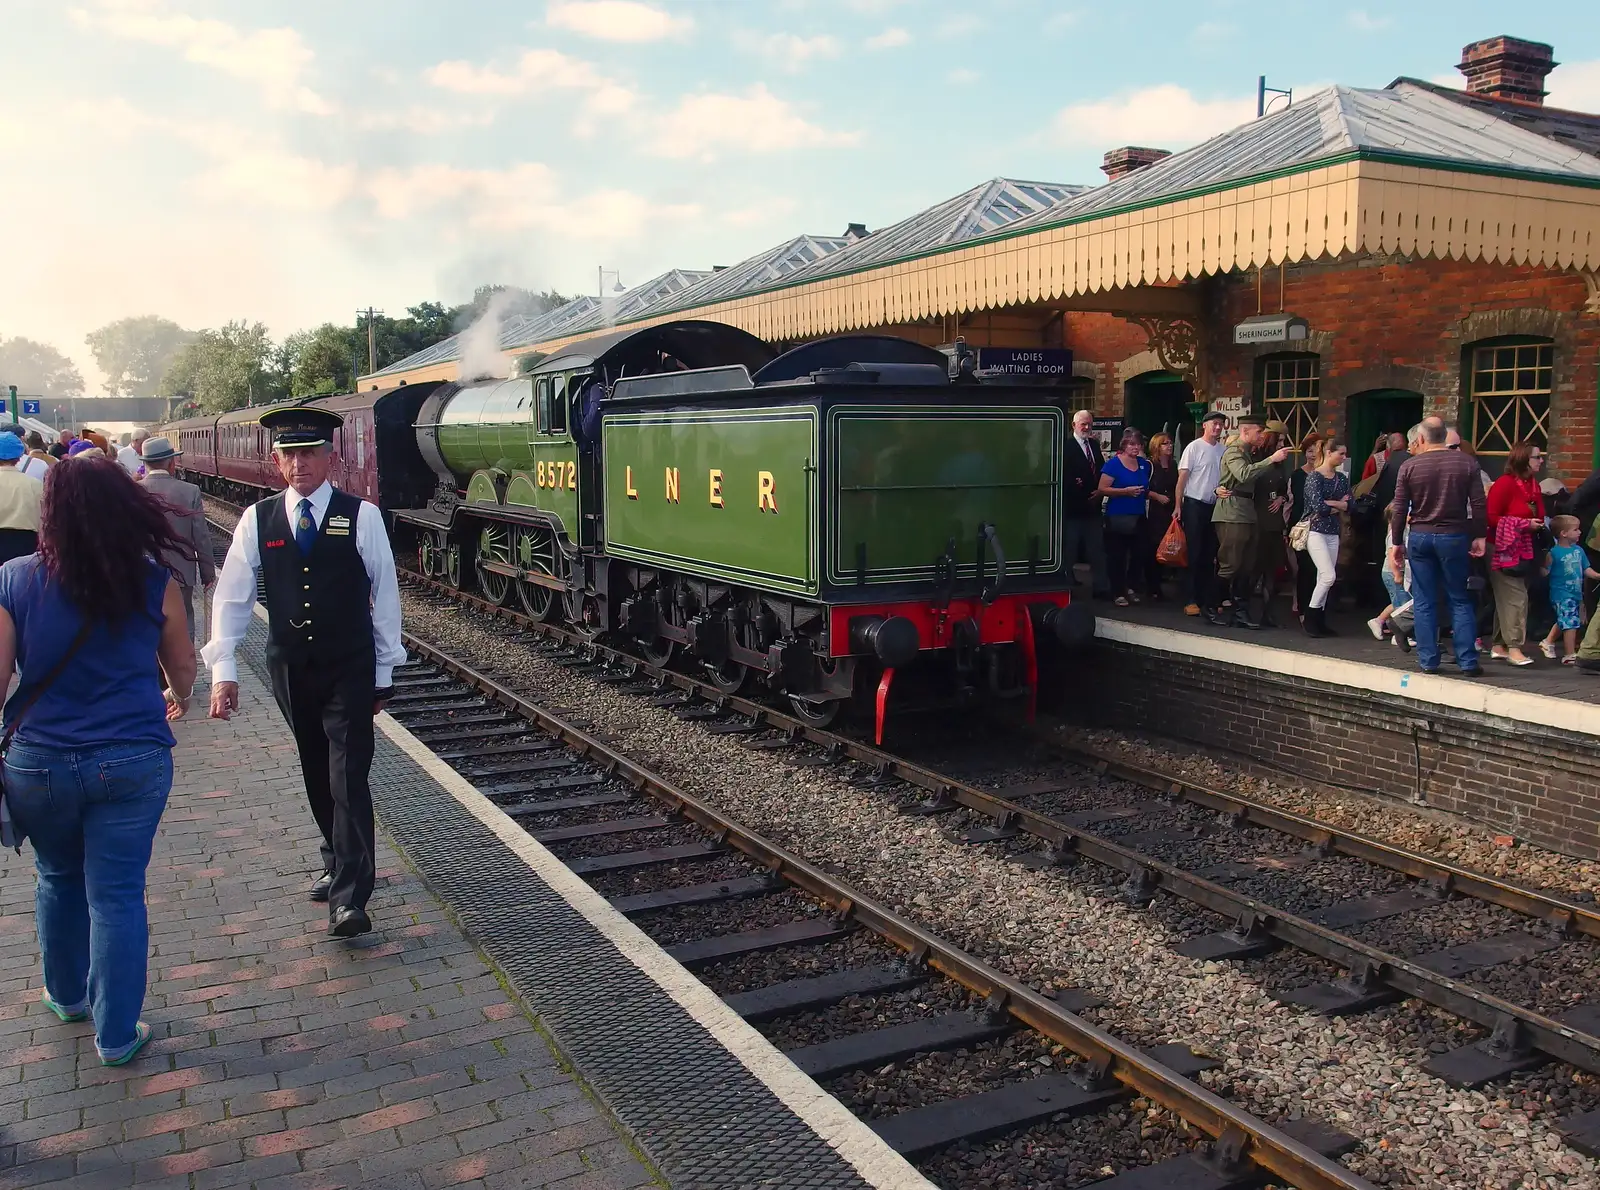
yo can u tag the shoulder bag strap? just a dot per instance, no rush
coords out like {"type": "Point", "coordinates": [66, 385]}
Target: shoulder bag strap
{"type": "Point", "coordinates": [38, 691]}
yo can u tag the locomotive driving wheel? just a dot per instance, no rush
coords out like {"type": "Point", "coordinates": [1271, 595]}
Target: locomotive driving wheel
{"type": "Point", "coordinates": [583, 614]}
{"type": "Point", "coordinates": [428, 556]}
{"type": "Point", "coordinates": [659, 650]}
{"type": "Point", "coordinates": [535, 549]}
{"type": "Point", "coordinates": [447, 558]}
{"type": "Point", "coordinates": [494, 545]}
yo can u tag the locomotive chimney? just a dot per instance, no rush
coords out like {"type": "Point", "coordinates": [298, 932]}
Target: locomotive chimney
{"type": "Point", "coordinates": [1121, 162]}
{"type": "Point", "coordinates": [1507, 68]}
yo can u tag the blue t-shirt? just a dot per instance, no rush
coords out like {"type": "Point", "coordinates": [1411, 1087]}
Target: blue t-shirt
{"type": "Point", "coordinates": [110, 692]}
{"type": "Point", "coordinates": [1567, 564]}
{"type": "Point", "coordinates": [1123, 476]}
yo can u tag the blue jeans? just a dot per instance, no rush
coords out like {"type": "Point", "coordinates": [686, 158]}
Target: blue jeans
{"type": "Point", "coordinates": [91, 815]}
{"type": "Point", "coordinates": [1439, 564]}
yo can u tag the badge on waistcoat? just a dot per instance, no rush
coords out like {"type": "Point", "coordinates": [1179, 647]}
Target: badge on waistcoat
{"type": "Point", "coordinates": [337, 524]}
{"type": "Point", "coordinates": [272, 545]}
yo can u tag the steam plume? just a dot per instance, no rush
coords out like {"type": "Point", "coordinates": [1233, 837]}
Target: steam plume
{"type": "Point", "coordinates": [480, 342]}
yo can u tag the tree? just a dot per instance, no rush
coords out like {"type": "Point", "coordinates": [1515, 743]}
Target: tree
{"type": "Point", "coordinates": [228, 368]}
{"type": "Point", "coordinates": [523, 303]}
{"type": "Point", "coordinates": [38, 368]}
{"type": "Point", "coordinates": [319, 361]}
{"type": "Point", "coordinates": [134, 352]}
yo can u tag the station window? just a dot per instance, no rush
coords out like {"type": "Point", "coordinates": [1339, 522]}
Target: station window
{"type": "Point", "coordinates": [1509, 392]}
{"type": "Point", "coordinates": [1289, 388]}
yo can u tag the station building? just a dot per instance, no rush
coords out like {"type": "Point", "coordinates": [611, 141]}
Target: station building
{"type": "Point", "coordinates": [1351, 263]}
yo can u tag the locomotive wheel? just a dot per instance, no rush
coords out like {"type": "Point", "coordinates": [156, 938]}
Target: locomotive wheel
{"type": "Point", "coordinates": [583, 614]}
{"type": "Point", "coordinates": [535, 549]}
{"type": "Point", "coordinates": [494, 545]}
{"type": "Point", "coordinates": [450, 564]}
{"type": "Point", "coordinates": [658, 652]}
{"type": "Point", "coordinates": [814, 714]}
{"type": "Point", "coordinates": [428, 556]}
{"type": "Point", "coordinates": [731, 676]}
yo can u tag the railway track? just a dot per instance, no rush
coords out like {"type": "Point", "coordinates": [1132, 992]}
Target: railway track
{"type": "Point", "coordinates": [1225, 854]}
{"type": "Point", "coordinates": [805, 956]}
{"type": "Point", "coordinates": [1143, 832]}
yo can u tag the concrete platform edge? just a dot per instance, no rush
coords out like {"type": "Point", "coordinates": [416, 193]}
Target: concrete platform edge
{"type": "Point", "coordinates": [854, 1141]}
{"type": "Point", "coordinates": [1456, 693]}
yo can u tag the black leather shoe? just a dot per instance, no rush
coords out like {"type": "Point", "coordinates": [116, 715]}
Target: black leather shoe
{"type": "Point", "coordinates": [348, 921]}
{"type": "Point", "coordinates": [319, 890]}
{"type": "Point", "coordinates": [1213, 616]}
{"type": "Point", "coordinates": [1474, 671]}
{"type": "Point", "coordinates": [1241, 619]}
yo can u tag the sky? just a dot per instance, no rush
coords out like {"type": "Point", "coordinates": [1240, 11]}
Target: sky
{"type": "Point", "coordinates": [295, 162]}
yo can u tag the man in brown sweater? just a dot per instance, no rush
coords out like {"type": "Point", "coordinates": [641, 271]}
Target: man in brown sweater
{"type": "Point", "coordinates": [1438, 493]}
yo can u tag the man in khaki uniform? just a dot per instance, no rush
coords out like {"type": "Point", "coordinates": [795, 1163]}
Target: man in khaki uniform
{"type": "Point", "coordinates": [1235, 518]}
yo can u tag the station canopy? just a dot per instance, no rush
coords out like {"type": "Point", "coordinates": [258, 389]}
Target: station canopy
{"type": "Point", "coordinates": [1414, 169]}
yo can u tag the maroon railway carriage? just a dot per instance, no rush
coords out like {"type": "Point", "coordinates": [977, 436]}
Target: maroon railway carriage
{"type": "Point", "coordinates": [231, 455]}
{"type": "Point", "coordinates": [196, 437]}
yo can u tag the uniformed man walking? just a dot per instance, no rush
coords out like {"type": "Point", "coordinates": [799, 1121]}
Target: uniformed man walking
{"type": "Point", "coordinates": [333, 640]}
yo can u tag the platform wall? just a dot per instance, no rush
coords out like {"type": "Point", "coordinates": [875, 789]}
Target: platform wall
{"type": "Point", "coordinates": [1538, 783]}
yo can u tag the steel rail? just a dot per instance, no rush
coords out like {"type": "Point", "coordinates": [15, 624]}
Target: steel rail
{"type": "Point", "coordinates": [1240, 1134]}
{"type": "Point", "coordinates": [1444, 876]}
{"type": "Point", "coordinates": [1366, 963]}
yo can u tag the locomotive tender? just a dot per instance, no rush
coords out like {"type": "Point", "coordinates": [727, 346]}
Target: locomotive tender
{"type": "Point", "coordinates": [821, 520]}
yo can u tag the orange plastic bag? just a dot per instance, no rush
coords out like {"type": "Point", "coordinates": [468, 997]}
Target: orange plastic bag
{"type": "Point", "coordinates": [1174, 548]}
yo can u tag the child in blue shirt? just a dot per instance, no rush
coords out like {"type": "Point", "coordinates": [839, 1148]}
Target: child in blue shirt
{"type": "Point", "coordinates": [1569, 566]}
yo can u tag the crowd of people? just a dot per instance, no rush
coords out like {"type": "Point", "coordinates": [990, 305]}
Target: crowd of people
{"type": "Point", "coordinates": [1486, 561]}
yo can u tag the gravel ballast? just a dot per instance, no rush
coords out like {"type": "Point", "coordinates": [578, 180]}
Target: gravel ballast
{"type": "Point", "coordinates": [1361, 1074]}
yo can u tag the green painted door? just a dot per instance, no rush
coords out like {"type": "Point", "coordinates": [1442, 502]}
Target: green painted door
{"type": "Point", "coordinates": [1158, 403]}
{"type": "Point", "coordinates": [1378, 411]}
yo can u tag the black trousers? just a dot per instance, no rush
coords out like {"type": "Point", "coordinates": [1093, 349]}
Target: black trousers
{"type": "Point", "coordinates": [17, 543]}
{"type": "Point", "coordinates": [329, 709]}
{"type": "Point", "coordinates": [1085, 534]}
{"type": "Point", "coordinates": [1201, 539]}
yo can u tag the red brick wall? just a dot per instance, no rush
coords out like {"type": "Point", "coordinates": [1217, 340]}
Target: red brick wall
{"type": "Point", "coordinates": [1383, 323]}
{"type": "Point", "coordinates": [1538, 783]}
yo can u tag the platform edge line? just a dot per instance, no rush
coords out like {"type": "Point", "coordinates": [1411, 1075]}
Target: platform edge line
{"type": "Point", "coordinates": [857, 1144]}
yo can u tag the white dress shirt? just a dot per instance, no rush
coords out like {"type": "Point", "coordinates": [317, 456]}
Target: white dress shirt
{"type": "Point", "coordinates": [233, 602]}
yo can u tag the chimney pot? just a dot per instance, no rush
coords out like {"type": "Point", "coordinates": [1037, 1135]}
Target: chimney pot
{"type": "Point", "coordinates": [1507, 68]}
{"type": "Point", "coordinates": [856, 231]}
{"type": "Point", "coordinates": [1123, 161]}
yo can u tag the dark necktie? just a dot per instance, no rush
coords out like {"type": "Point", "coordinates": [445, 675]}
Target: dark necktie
{"type": "Point", "coordinates": [305, 528]}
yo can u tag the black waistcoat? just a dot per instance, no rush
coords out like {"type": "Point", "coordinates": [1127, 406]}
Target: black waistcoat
{"type": "Point", "coordinates": [319, 607]}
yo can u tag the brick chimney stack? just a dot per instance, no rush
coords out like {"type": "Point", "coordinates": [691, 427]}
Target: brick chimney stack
{"type": "Point", "coordinates": [1123, 161]}
{"type": "Point", "coordinates": [1507, 68]}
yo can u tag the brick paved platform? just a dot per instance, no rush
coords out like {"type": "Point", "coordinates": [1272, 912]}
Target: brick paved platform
{"type": "Point", "coordinates": [282, 1058]}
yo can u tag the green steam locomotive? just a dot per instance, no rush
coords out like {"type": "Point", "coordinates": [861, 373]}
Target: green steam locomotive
{"type": "Point", "coordinates": [819, 521]}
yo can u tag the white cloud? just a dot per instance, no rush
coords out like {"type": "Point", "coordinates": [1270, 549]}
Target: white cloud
{"type": "Point", "coordinates": [961, 25]}
{"type": "Point", "coordinates": [423, 120]}
{"type": "Point", "coordinates": [1062, 21]}
{"type": "Point", "coordinates": [1575, 86]}
{"type": "Point", "coordinates": [616, 20]}
{"type": "Point", "coordinates": [275, 60]}
{"type": "Point", "coordinates": [1164, 117]}
{"type": "Point", "coordinates": [1362, 22]}
{"type": "Point", "coordinates": [1212, 31]}
{"type": "Point", "coordinates": [962, 77]}
{"type": "Point", "coordinates": [536, 71]}
{"type": "Point", "coordinates": [789, 51]}
{"type": "Point", "coordinates": [702, 126]}
{"type": "Point", "coordinates": [889, 39]}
